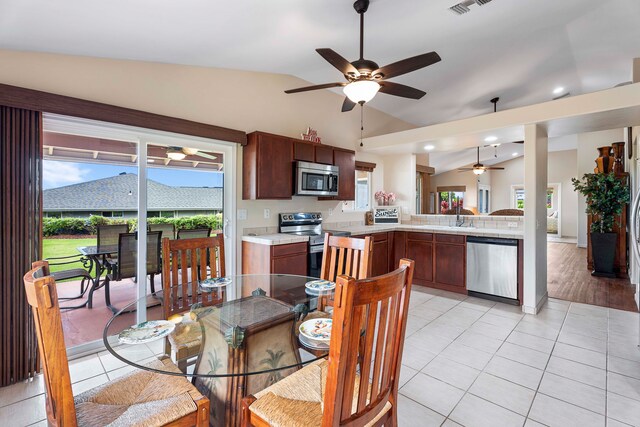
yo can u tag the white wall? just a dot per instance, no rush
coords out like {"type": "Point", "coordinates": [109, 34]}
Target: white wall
{"type": "Point", "coordinates": [400, 178]}
{"type": "Point", "coordinates": [587, 154]}
{"type": "Point", "coordinates": [562, 166]}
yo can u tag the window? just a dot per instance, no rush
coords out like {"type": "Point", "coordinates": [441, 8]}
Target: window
{"type": "Point", "coordinates": [53, 214]}
{"type": "Point", "coordinates": [450, 200]}
{"type": "Point", "coordinates": [363, 191]}
{"type": "Point", "coordinates": [113, 214]}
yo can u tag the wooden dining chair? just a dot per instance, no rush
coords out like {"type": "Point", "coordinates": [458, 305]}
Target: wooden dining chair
{"type": "Point", "coordinates": [139, 398]}
{"type": "Point", "coordinates": [357, 385]}
{"type": "Point", "coordinates": [341, 255]}
{"type": "Point", "coordinates": [184, 263]}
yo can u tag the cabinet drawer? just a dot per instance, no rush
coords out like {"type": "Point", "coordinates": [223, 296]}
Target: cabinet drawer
{"type": "Point", "coordinates": [428, 237]}
{"type": "Point", "coordinates": [450, 238]}
{"type": "Point", "coordinates": [293, 264]}
{"type": "Point", "coordinates": [379, 237]}
{"type": "Point", "coordinates": [284, 250]}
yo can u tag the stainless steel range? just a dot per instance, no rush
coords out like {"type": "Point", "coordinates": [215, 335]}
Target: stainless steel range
{"type": "Point", "coordinates": [308, 224]}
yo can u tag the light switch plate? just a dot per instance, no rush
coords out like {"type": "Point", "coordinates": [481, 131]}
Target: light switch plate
{"type": "Point", "coordinates": [267, 213]}
{"type": "Point", "coordinates": [330, 211]}
{"type": "Point", "coordinates": [242, 214]}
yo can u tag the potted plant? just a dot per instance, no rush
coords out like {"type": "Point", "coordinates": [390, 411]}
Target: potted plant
{"type": "Point", "coordinates": [606, 197]}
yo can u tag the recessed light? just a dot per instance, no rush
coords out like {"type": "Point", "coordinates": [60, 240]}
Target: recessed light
{"type": "Point", "coordinates": [514, 154]}
{"type": "Point", "coordinates": [429, 147]}
{"type": "Point", "coordinates": [491, 139]}
{"type": "Point", "coordinates": [558, 90]}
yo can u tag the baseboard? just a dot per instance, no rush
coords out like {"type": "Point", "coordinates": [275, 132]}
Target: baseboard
{"type": "Point", "coordinates": [535, 310]}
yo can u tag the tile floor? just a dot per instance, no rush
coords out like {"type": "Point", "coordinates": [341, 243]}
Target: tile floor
{"type": "Point", "coordinates": [467, 362]}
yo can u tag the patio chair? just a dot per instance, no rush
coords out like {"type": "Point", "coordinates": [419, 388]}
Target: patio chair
{"type": "Point", "coordinates": [196, 233]}
{"type": "Point", "coordinates": [358, 384]}
{"type": "Point", "coordinates": [182, 261]}
{"type": "Point", "coordinates": [126, 264]}
{"type": "Point", "coordinates": [139, 398]}
{"type": "Point", "coordinates": [341, 255]}
{"type": "Point", "coordinates": [167, 230]}
{"type": "Point", "coordinates": [107, 240]}
{"type": "Point", "coordinates": [73, 273]}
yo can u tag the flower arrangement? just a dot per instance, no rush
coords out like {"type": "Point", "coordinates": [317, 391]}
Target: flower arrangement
{"type": "Point", "coordinates": [385, 199]}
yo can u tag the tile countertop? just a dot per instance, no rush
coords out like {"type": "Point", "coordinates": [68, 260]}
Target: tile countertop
{"type": "Point", "coordinates": [442, 229]}
{"type": "Point", "coordinates": [356, 230]}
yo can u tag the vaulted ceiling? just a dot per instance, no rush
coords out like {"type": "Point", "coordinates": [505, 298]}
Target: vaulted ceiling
{"type": "Point", "coordinates": [519, 50]}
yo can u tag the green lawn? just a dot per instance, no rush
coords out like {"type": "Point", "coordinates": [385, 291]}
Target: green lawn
{"type": "Point", "coordinates": [52, 248]}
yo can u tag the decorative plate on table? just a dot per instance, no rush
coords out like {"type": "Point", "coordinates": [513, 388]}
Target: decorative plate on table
{"type": "Point", "coordinates": [215, 282]}
{"type": "Point", "coordinates": [320, 285]}
{"type": "Point", "coordinates": [317, 329]}
{"type": "Point", "coordinates": [145, 332]}
{"type": "Point", "coordinates": [313, 344]}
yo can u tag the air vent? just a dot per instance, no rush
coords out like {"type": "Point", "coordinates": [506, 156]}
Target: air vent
{"type": "Point", "coordinates": [463, 7]}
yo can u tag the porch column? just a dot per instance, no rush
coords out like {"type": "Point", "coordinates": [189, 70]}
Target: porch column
{"type": "Point", "coordinates": [535, 218]}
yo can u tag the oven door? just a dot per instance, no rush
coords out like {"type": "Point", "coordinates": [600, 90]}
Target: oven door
{"type": "Point", "coordinates": [315, 260]}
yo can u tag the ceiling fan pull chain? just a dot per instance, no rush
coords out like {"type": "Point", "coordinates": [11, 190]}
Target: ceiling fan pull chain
{"type": "Point", "coordinates": [361, 123]}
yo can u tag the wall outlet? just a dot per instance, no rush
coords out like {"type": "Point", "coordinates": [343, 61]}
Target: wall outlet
{"type": "Point", "coordinates": [512, 224]}
{"type": "Point", "coordinates": [330, 211]}
{"type": "Point", "coordinates": [267, 213]}
{"type": "Point", "coordinates": [242, 214]}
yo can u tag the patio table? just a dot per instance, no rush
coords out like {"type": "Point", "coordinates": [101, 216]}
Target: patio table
{"type": "Point", "coordinates": [98, 259]}
{"type": "Point", "coordinates": [247, 342]}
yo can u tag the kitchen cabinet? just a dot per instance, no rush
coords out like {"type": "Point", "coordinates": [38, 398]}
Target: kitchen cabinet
{"type": "Point", "coordinates": [346, 161]}
{"type": "Point", "coordinates": [450, 262]}
{"type": "Point", "coordinates": [267, 171]}
{"type": "Point", "coordinates": [419, 247]}
{"type": "Point", "coordinates": [303, 151]}
{"type": "Point", "coordinates": [380, 257]}
{"type": "Point", "coordinates": [398, 248]}
{"type": "Point", "coordinates": [324, 154]}
{"type": "Point", "coordinates": [277, 259]}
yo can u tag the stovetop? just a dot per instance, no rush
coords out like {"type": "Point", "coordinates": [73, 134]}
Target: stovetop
{"type": "Point", "coordinates": [306, 224]}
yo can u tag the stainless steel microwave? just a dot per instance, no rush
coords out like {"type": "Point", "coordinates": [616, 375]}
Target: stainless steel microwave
{"type": "Point", "coordinates": [314, 179]}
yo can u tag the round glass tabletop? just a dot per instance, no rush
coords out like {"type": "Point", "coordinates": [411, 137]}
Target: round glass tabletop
{"type": "Point", "coordinates": [243, 325]}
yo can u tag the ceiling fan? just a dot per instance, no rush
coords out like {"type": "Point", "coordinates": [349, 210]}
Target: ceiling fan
{"type": "Point", "coordinates": [479, 168]}
{"type": "Point", "coordinates": [179, 153]}
{"type": "Point", "coordinates": [365, 78]}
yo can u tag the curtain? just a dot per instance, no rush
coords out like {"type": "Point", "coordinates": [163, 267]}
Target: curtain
{"type": "Point", "coordinates": [20, 238]}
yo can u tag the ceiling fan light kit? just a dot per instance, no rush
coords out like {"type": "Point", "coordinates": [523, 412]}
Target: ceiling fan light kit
{"type": "Point", "coordinates": [463, 7]}
{"type": "Point", "coordinates": [175, 153]}
{"type": "Point", "coordinates": [364, 77]}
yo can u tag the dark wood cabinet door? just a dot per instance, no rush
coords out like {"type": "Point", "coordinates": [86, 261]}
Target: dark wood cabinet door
{"type": "Point", "coordinates": [346, 161]}
{"type": "Point", "coordinates": [303, 151]}
{"type": "Point", "coordinates": [293, 264]}
{"type": "Point", "coordinates": [450, 264]}
{"type": "Point", "coordinates": [324, 154]}
{"type": "Point", "coordinates": [274, 167]}
{"type": "Point", "coordinates": [422, 253]}
{"type": "Point", "coordinates": [399, 251]}
{"type": "Point", "coordinates": [380, 257]}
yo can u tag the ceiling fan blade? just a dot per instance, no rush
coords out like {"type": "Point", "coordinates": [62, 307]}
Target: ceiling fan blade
{"type": "Point", "coordinates": [517, 142]}
{"type": "Point", "coordinates": [206, 156]}
{"type": "Point", "coordinates": [398, 89]}
{"type": "Point", "coordinates": [465, 169]}
{"type": "Point", "coordinates": [407, 65]}
{"type": "Point", "coordinates": [315, 87]}
{"type": "Point", "coordinates": [338, 61]}
{"type": "Point", "coordinates": [347, 105]}
{"type": "Point", "coordinates": [493, 169]}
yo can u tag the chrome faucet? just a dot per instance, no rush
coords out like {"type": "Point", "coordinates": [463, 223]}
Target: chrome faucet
{"type": "Point", "coordinates": [459, 221]}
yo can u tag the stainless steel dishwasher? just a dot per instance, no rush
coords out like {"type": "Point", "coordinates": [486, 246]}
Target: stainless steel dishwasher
{"type": "Point", "coordinates": [492, 268]}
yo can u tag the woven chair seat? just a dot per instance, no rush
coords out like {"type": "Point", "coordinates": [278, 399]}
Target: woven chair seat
{"type": "Point", "coordinates": [297, 400]}
{"type": "Point", "coordinates": [70, 274]}
{"type": "Point", "coordinates": [141, 398]}
{"type": "Point", "coordinates": [186, 336]}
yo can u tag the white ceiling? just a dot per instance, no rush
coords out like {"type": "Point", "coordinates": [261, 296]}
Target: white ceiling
{"type": "Point", "coordinates": [516, 49]}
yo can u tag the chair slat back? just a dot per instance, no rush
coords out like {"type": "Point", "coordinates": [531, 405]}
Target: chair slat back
{"type": "Point", "coordinates": [43, 299]}
{"type": "Point", "coordinates": [128, 254]}
{"type": "Point", "coordinates": [195, 233]}
{"type": "Point", "coordinates": [186, 261]}
{"type": "Point", "coordinates": [345, 255]}
{"type": "Point", "coordinates": [167, 230]}
{"type": "Point", "coordinates": [381, 304]}
{"type": "Point", "coordinates": [108, 235]}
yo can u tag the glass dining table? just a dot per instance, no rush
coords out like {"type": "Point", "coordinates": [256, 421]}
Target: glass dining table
{"type": "Point", "coordinates": [244, 342]}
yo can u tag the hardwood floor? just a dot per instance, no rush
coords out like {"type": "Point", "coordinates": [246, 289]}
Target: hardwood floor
{"type": "Point", "coordinates": [569, 279]}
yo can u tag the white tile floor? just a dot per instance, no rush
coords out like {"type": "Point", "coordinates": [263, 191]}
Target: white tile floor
{"type": "Point", "coordinates": [467, 362]}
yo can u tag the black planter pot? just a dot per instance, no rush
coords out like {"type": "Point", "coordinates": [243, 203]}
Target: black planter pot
{"type": "Point", "coordinates": [603, 250]}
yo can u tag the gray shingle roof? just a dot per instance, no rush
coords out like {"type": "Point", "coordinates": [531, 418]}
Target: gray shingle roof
{"type": "Point", "coordinates": [112, 194]}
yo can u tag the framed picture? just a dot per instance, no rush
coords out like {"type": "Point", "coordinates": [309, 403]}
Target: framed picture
{"type": "Point", "coordinates": [386, 215]}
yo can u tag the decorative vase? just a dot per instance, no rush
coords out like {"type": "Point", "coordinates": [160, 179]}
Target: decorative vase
{"type": "Point", "coordinates": [604, 162]}
{"type": "Point", "coordinates": [603, 250]}
{"type": "Point", "coordinates": [618, 155]}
